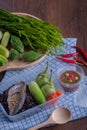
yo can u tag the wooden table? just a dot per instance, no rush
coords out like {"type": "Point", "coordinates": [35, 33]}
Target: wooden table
{"type": "Point", "coordinates": [70, 16]}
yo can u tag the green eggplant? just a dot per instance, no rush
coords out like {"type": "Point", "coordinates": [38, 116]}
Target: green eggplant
{"type": "Point", "coordinates": [42, 78]}
{"type": "Point", "coordinates": [49, 87]}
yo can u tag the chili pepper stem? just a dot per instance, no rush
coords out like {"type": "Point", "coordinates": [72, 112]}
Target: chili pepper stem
{"type": "Point", "coordinates": [79, 63]}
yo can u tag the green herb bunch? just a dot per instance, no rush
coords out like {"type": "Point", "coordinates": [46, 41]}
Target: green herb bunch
{"type": "Point", "coordinates": [39, 35]}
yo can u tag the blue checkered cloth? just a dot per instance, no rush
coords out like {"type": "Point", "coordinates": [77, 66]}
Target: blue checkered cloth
{"type": "Point", "coordinates": [67, 100]}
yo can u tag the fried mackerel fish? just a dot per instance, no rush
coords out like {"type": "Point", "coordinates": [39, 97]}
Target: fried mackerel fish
{"type": "Point", "coordinates": [16, 97]}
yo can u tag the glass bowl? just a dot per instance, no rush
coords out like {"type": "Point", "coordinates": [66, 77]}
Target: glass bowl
{"type": "Point", "coordinates": [70, 77]}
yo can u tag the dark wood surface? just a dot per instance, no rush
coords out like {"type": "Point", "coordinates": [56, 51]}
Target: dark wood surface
{"type": "Point", "coordinates": [70, 16]}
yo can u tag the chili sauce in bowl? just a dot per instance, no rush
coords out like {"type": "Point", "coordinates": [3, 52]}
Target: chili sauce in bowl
{"type": "Point", "coordinates": [70, 77]}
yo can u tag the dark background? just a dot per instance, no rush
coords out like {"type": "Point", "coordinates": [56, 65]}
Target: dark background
{"type": "Point", "coordinates": [70, 16]}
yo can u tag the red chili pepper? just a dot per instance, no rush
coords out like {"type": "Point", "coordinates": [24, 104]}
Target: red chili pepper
{"type": "Point", "coordinates": [71, 76]}
{"type": "Point", "coordinates": [66, 60]}
{"type": "Point", "coordinates": [81, 61]}
{"type": "Point", "coordinates": [84, 53]}
{"type": "Point", "coordinates": [69, 55]}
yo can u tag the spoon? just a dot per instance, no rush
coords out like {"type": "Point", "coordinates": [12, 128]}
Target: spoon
{"type": "Point", "coordinates": [60, 115]}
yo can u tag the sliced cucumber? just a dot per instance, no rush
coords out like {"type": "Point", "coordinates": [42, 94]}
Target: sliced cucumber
{"type": "Point", "coordinates": [36, 92]}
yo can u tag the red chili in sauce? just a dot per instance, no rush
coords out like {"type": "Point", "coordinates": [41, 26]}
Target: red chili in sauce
{"type": "Point", "coordinates": [70, 80]}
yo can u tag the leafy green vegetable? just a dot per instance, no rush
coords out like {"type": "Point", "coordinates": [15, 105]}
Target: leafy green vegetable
{"type": "Point", "coordinates": [39, 35]}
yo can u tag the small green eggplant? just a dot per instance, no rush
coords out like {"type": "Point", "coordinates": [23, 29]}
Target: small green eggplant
{"type": "Point", "coordinates": [49, 87]}
{"type": "Point", "coordinates": [42, 78]}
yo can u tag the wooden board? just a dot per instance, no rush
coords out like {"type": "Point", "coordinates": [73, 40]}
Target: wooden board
{"type": "Point", "coordinates": [19, 64]}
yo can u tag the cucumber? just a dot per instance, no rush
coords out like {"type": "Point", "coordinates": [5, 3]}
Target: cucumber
{"type": "Point", "coordinates": [1, 35]}
{"type": "Point", "coordinates": [36, 92]}
{"type": "Point", "coordinates": [5, 39]}
{"type": "Point", "coordinates": [3, 60]}
{"type": "Point", "coordinates": [4, 51]}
